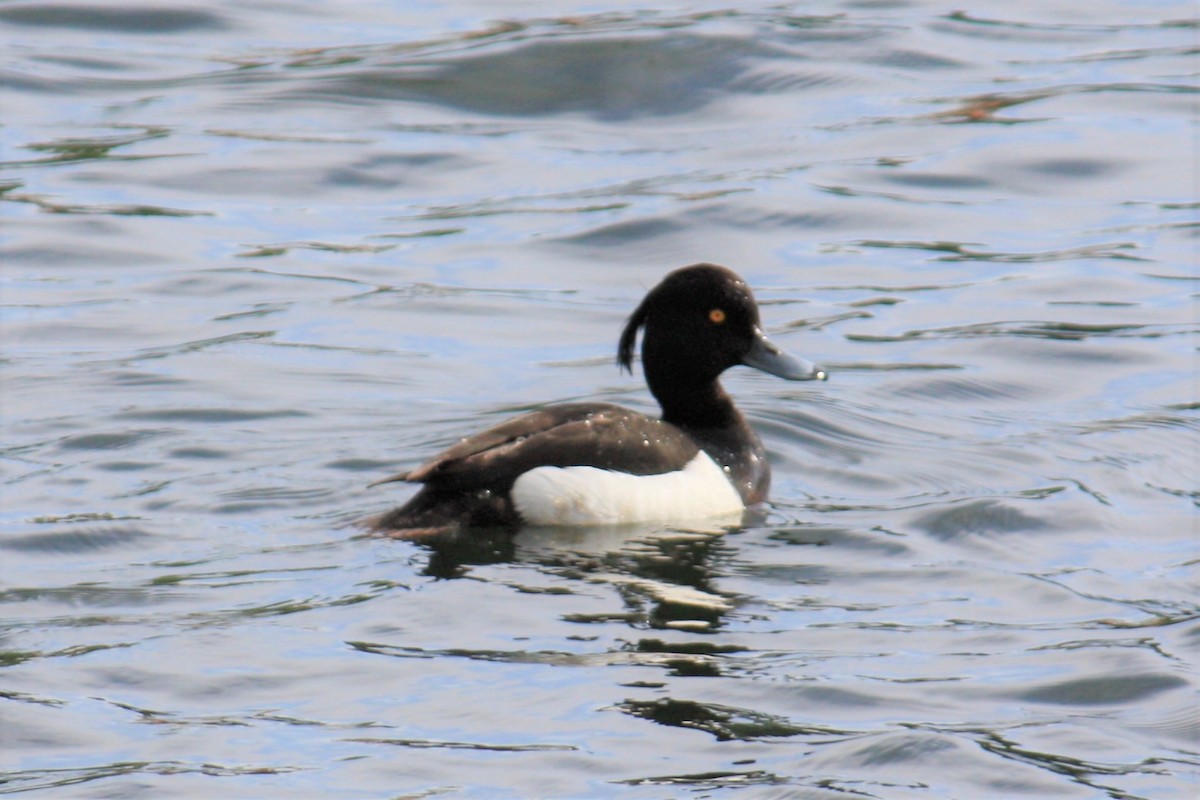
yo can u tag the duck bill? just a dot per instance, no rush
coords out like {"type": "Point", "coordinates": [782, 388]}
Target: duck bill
{"type": "Point", "coordinates": [764, 355]}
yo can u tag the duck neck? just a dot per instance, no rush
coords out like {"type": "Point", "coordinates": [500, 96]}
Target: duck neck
{"type": "Point", "coordinates": [695, 404]}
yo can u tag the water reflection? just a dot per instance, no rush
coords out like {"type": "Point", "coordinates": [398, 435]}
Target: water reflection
{"type": "Point", "coordinates": [666, 578]}
{"type": "Point", "coordinates": [450, 555]}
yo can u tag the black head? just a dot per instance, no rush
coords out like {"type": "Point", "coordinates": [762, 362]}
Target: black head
{"type": "Point", "coordinates": [700, 321]}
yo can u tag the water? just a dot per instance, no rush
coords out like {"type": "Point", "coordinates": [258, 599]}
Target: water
{"type": "Point", "coordinates": [257, 255]}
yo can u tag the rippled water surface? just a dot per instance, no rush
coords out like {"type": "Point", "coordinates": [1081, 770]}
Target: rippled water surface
{"type": "Point", "coordinates": [259, 254]}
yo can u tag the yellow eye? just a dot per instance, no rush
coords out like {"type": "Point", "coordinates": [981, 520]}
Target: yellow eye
{"type": "Point", "coordinates": [716, 316]}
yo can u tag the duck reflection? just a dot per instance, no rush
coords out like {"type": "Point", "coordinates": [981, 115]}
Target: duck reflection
{"type": "Point", "coordinates": [665, 576]}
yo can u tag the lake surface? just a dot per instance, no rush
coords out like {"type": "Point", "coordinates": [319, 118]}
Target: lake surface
{"type": "Point", "coordinates": [260, 254]}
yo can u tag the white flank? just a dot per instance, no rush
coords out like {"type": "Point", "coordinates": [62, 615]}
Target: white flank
{"type": "Point", "coordinates": [593, 496]}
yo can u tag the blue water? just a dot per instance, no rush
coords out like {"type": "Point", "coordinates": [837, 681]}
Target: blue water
{"type": "Point", "coordinates": [256, 256]}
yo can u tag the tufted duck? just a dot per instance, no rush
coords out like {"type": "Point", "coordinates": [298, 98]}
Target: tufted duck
{"type": "Point", "coordinates": [601, 464]}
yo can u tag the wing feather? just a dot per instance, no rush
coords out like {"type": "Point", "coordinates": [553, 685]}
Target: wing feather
{"type": "Point", "coordinates": [576, 434]}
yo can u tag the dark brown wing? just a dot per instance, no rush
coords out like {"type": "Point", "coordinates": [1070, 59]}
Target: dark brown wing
{"type": "Point", "coordinates": [576, 434]}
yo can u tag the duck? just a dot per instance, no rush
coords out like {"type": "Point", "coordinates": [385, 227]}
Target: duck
{"type": "Point", "coordinates": [601, 464]}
